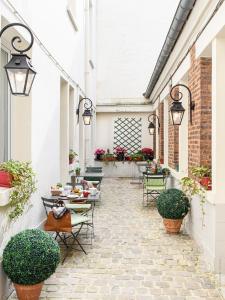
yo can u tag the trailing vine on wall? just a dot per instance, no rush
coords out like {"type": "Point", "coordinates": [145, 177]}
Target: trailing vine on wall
{"type": "Point", "coordinates": [23, 182]}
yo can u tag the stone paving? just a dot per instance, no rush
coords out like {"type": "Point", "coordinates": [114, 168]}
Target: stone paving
{"type": "Point", "coordinates": [132, 258]}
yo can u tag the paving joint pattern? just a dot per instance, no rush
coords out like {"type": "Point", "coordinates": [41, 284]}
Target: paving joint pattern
{"type": "Point", "coordinates": [132, 258]}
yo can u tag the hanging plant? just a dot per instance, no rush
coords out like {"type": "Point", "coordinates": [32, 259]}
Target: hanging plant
{"type": "Point", "coordinates": [23, 183]}
{"type": "Point", "coordinates": [191, 188]}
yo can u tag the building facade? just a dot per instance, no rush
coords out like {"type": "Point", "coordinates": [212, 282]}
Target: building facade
{"type": "Point", "coordinates": [197, 60]}
{"type": "Point", "coordinates": [43, 127]}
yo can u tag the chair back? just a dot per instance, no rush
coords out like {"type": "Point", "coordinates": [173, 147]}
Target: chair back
{"type": "Point", "coordinates": [48, 204]}
{"type": "Point", "coordinates": [94, 170]}
{"type": "Point", "coordinates": [154, 181]}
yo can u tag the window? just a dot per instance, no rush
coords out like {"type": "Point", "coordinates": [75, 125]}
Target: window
{"type": "Point", "coordinates": [4, 110]}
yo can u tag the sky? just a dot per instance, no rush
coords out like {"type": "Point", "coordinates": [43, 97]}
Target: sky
{"type": "Point", "coordinates": [130, 35]}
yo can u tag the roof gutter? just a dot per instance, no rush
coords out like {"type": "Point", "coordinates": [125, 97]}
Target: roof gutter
{"type": "Point", "coordinates": [182, 13]}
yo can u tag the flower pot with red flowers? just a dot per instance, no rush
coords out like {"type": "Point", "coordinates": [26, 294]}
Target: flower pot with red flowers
{"type": "Point", "coordinates": [148, 153]}
{"type": "Point", "coordinates": [120, 153]}
{"type": "Point", "coordinates": [29, 258]}
{"type": "Point", "coordinates": [203, 174]}
{"type": "Point", "coordinates": [99, 154]}
{"type": "Point", "coordinates": [72, 156]}
{"type": "Point", "coordinates": [173, 205]}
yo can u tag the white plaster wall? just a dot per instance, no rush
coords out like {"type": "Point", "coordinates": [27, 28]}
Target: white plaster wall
{"type": "Point", "coordinates": [49, 20]}
{"type": "Point", "coordinates": [104, 129]}
{"type": "Point", "coordinates": [130, 35]}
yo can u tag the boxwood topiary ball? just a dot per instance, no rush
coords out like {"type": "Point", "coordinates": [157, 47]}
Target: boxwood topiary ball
{"type": "Point", "coordinates": [30, 257]}
{"type": "Point", "coordinates": [173, 204]}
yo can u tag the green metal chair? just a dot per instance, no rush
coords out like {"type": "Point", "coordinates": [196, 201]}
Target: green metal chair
{"type": "Point", "coordinates": [153, 185]}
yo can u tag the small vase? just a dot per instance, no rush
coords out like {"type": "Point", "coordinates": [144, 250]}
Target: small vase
{"type": "Point", "coordinates": [71, 160]}
{"type": "Point", "coordinates": [120, 156]}
{"type": "Point", "coordinates": [28, 292]}
{"type": "Point", "coordinates": [98, 157]}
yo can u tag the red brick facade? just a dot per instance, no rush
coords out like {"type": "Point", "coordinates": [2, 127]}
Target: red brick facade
{"type": "Point", "coordinates": [161, 133]}
{"type": "Point", "coordinates": [199, 133]}
{"type": "Point", "coordinates": [173, 140]}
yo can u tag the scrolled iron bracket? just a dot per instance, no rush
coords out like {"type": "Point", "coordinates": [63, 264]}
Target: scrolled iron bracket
{"type": "Point", "coordinates": [17, 39]}
{"type": "Point", "coordinates": [88, 104]}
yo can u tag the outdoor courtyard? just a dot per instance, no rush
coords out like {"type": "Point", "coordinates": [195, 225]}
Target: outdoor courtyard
{"type": "Point", "coordinates": [132, 257]}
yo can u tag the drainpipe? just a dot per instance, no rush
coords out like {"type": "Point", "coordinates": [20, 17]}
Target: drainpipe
{"type": "Point", "coordinates": [182, 13]}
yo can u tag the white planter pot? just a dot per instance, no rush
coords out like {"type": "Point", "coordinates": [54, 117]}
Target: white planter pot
{"type": "Point", "coordinates": [4, 195]}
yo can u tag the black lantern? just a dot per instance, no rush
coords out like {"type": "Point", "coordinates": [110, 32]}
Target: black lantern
{"type": "Point", "coordinates": [151, 126]}
{"type": "Point", "coordinates": [177, 110]}
{"type": "Point", "coordinates": [87, 114]}
{"type": "Point", "coordinates": [20, 74]}
{"type": "Point", "coordinates": [19, 70]}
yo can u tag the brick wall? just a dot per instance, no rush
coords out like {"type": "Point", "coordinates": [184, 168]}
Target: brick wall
{"type": "Point", "coordinates": [199, 133]}
{"type": "Point", "coordinates": [173, 141]}
{"type": "Point", "coordinates": [161, 132]}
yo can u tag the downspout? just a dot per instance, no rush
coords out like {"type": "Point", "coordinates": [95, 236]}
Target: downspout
{"type": "Point", "coordinates": [182, 13]}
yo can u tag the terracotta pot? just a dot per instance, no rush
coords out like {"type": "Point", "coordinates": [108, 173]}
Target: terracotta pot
{"type": "Point", "coordinates": [206, 182]}
{"type": "Point", "coordinates": [28, 292]}
{"type": "Point", "coordinates": [5, 179]}
{"type": "Point", "coordinates": [71, 160]}
{"type": "Point", "coordinates": [172, 226]}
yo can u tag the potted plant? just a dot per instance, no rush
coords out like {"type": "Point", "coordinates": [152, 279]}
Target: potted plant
{"type": "Point", "coordinates": [148, 153]}
{"type": "Point", "coordinates": [138, 156]}
{"type": "Point", "coordinates": [77, 171]}
{"type": "Point", "coordinates": [192, 188]}
{"type": "Point", "coordinates": [173, 205]}
{"type": "Point", "coordinates": [29, 258]}
{"type": "Point", "coordinates": [108, 157]}
{"type": "Point", "coordinates": [203, 174]}
{"type": "Point", "coordinates": [166, 171]}
{"type": "Point", "coordinates": [72, 155]}
{"type": "Point", "coordinates": [120, 153]}
{"type": "Point", "coordinates": [23, 183]}
{"type": "Point", "coordinates": [99, 154]}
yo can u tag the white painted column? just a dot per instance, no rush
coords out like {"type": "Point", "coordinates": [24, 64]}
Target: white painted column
{"type": "Point", "coordinates": [183, 135]}
{"type": "Point", "coordinates": [218, 119]}
{"type": "Point", "coordinates": [64, 131]}
{"type": "Point", "coordinates": [166, 132]}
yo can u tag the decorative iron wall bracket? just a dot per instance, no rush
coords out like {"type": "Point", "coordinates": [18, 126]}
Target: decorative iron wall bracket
{"type": "Point", "coordinates": [88, 105]}
{"type": "Point", "coordinates": [151, 125]}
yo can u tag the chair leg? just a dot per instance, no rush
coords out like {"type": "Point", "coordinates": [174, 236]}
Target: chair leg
{"type": "Point", "coordinates": [75, 238]}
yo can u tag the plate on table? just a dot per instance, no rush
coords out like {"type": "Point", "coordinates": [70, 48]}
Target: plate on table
{"type": "Point", "coordinates": [74, 196]}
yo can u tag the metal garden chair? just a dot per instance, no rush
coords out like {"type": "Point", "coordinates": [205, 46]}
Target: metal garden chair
{"type": "Point", "coordinates": [153, 185]}
{"type": "Point", "coordinates": [64, 232]}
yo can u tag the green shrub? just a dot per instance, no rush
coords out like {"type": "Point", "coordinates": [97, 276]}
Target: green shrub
{"type": "Point", "coordinates": [30, 257]}
{"type": "Point", "coordinates": [173, 204]}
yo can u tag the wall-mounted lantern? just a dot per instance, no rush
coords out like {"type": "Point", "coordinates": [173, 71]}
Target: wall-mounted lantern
{"type": "Point", "coordinates": [177, 110]}
{"type": "Point", "coordinates": [19, 70]}
{"type": "Point", "coordinates": [151, 126]}
{"type": "Point", "coordinates": [87, 114]}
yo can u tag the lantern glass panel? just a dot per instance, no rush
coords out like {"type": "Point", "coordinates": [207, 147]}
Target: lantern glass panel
{"type": "Point", "coordinates": [17, 80]}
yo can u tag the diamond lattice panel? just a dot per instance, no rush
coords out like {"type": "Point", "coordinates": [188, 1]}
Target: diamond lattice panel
{"type": "Point", "coordinates": [127, 133]}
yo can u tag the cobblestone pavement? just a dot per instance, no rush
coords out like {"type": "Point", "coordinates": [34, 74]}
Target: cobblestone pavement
{"type": "Point", "coordinates": [132, 258]}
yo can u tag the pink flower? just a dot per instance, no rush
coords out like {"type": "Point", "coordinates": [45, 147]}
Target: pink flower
{"type": "Point", "coordinates": [147, 151]}
{"type": "Point", "coordinates": [119, 149]}
{"type": "Point", "coordinates": [99, 151]}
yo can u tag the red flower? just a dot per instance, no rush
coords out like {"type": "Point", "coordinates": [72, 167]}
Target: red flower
{"type": "Point", "coordinates": [147, 151]}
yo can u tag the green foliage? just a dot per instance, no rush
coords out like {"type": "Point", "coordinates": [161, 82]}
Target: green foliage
{"type": "Point", "coordinates": [201, 171]}
{"type": "Point", "coordinates": [72, 154]}
{"type": "Point", "coordinates": [192, 188]}
{"type": "Point", "coordinates": [30, 257]}
{"type": "Point", "coordinates": [166, 171]}
{"type": "Point", "coordinates": [23, 183]}
{"type": "Point", "coordinates": [173, 204]}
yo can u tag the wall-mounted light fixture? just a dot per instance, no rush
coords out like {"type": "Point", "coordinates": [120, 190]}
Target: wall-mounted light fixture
{"type": "Point", "coordinates": [177, 110]}
{"type": "Point", "coordinates": [151, 126]}
{"type": "Point", "coordinates": [19, 70]}
{"type": "Point", "coordinates": [87, 114]}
